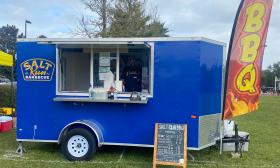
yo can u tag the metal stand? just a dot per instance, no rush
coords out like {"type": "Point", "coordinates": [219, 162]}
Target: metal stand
{"type": "Point", "coordinates": [191, 156]}
{"type": "Point", "coordinates": [239, 142]}
{"type": "Point", "coordinates": [221, 137]}
{"type": "Point", "coordinates": [20, 150]}
{"type": "Point", "coordinates": [12, 88]}
{"type": "Point", "coordinates": [236, 153]}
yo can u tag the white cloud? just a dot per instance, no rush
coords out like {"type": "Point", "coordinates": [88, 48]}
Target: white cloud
{"type": "Point", "coordinates": [209, 18]}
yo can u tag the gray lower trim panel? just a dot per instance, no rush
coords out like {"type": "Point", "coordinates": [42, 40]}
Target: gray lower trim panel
{"type": "Point", "coordinates": [209, 130]}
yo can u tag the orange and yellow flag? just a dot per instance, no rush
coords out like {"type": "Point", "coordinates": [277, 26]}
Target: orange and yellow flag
{"type": "Point", "coordinates": [245, 55]}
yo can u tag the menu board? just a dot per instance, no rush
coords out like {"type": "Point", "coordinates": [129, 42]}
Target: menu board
{"type": "Point", "coordinates": [170, 146]}
{"type": "Point", "coordinates": [104, 59]}
{"type": "Point", "coordinates": [104, 66]}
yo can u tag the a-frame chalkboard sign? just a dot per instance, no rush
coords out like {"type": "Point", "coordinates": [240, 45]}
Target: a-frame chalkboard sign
{"type": "Point", "coordinates": [170, 146]}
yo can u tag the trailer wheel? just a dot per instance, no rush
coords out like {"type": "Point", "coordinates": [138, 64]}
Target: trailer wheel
{"type": "Point", "coordinates": [79, 145]}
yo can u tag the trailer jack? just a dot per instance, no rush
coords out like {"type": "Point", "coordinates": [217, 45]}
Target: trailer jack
{"type": "Point", "coordinates": [20, 150]}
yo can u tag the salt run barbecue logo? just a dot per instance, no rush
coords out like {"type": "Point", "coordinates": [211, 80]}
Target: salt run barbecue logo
{"type": "Point", "coordinates": [37, 69]}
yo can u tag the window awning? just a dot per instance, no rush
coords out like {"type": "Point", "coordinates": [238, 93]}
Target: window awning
{"type": "Point", "coordinates": [6, 59]}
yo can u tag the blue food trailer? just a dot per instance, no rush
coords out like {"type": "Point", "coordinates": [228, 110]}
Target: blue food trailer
{"type": "Point", "coordinates": [63, 87]}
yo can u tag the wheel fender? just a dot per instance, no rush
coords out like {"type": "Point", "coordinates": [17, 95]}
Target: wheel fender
{"type": "Point", "coordinates": [92, 125]}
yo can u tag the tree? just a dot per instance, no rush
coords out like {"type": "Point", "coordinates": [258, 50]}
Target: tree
{"type": "Point", "coordinates": [129, 19]}
{"type": "Point", "coordinates": [275, 69]}
{"type": "Point", "coordinates": [42, 36]}
{"type": "Point", "coordinates": [120, 18]}
{"type": "Point", "coordinates": [268, 76]}
{"type": "Point", "coordinates": [156, 29]}
{"type": "Point", "coordinates": [8, 38]}
{"type": "Point", "coordinates": [21, 35]}
{"type": "Point", "coordinates": [97, 27]}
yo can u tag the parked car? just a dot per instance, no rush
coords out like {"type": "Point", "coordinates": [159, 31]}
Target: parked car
{"type": "Point", "coordinates": [4, 80]}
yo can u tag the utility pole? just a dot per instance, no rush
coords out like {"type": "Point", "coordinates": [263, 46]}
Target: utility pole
{"type": "Point", "coordinates": [25, 30]}
{"type": "Point", "coordinates": [276, 80]}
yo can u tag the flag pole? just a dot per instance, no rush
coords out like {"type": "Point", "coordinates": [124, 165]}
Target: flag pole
{"type": "Point", "coordinates": [226, 73]}
{"type": "Point", "coordinates": [228, 55]}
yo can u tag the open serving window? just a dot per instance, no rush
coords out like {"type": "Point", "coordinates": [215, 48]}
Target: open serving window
{"type": "Point", "coordinates": [105, 72]}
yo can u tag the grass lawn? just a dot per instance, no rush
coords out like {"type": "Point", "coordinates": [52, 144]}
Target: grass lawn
{"type": "Point", "coordinates": [264, 148]}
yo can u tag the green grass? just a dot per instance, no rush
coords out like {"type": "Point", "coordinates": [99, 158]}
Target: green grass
{"type": "Point", "coordinates": [264, 148]}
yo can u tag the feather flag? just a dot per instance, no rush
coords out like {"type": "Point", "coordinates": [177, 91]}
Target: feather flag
{"type": "Point", "coordinates": [245, 55]}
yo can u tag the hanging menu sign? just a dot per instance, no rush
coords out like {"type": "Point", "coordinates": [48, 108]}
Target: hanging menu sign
{"type": "Point", "coordinates": [104, 59]}
{"type": "Point", "coordinates": [170, 147]}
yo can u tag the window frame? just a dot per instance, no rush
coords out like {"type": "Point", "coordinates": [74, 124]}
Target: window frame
{"type": "Point", "coordinates": [59, 91]}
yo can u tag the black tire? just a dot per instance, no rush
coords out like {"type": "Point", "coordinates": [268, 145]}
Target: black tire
{"type": "Point", "coordinates": [87, 135]}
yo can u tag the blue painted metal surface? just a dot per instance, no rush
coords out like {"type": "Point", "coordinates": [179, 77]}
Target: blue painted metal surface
{"type": "Point", "coordinates": [211, 67]}
{"type": "Point", "coordinates": [187, 81]}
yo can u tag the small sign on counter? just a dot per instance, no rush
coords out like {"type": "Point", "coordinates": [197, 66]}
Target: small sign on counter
{"type": "Point", "coordinates": [170, 146]}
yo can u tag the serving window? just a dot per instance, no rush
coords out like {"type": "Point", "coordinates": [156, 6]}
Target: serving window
{"type": "Point", "coordinates": [124, 68]}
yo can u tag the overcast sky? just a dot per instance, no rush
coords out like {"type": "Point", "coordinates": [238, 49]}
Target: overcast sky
{"type": "Point", "coordinates": [208, 18]}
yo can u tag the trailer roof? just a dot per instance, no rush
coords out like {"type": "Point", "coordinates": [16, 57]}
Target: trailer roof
{"type": "Point", "coordinates": [116, 40]}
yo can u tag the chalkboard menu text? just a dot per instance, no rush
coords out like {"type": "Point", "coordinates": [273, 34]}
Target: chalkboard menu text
{"type": "Point", "coordinates": [170, 147]}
